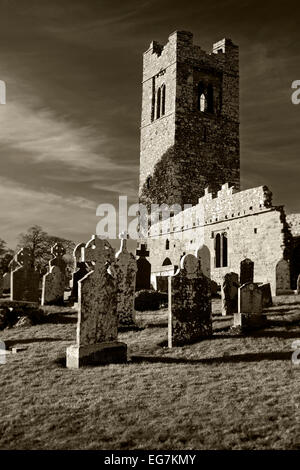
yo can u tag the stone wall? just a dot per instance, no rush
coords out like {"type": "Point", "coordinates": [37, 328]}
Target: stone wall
{"type": "Point", "coordinates": [254, 228]}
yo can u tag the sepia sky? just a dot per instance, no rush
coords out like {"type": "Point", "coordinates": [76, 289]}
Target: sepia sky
{"type": "Point", "coordinates": [69, 132]}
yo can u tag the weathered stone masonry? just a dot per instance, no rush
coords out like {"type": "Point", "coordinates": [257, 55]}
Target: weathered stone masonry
{"type": "Point", "coordinates": [186, 149]}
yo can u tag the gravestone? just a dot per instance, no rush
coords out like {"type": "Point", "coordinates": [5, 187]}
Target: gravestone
{"type": "Point", "coordinates": [6, 283]}
{"type": "Point", "coordinates": [246, 271]}
{"type": "Point", "coordinates": [143, 274]}
{"type": "Point", "coordinates": [266, 295]}
{"type": "Point", "coordinates": [190, 316]}
{"type": "Point", "coordinates": [250, 306]}
{"type": "Point", "coordinates": [97, 327]}
{"type": "Point", "coordinates": [80, 270]}
{"type": "Point", "coordinates": [125, 268]}
{"type": "Point", "coordinates": [24, 278]}
{"type": "Point", "coordinates": [298, 284]}
{"type": "Point", "coordinates": [203, 254]}
{"type": "Point", "coordinates": [283, 277]}
{"type": "Point", "coordinates": [229, 294]}
{"type": "Point", "coordinates": [162, 283]}
{"type": "Point", "coordinates": [54, 281]}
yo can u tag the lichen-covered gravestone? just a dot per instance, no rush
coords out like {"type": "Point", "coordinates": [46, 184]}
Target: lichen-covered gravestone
{"type": "Point", "coordinates": [55, 280]}
{"type": "Point", "coordinates": [24, 279]}
{"type": "Point", "coordinates": [80, 270]}
{"type": "Point", "coordinates": [190, 316]}
{"type": "Point", "coordinates": [246, 271]}
{"type": "Point", "coordinates": [97, 328]}
{"type": "Point", "coordinates": [250, 307]}
{"type": "Point", "coordinates": [229, 293]}
{"type": "Point", "coordinates": [125, 268]}
{"type": "Point", "coordinates": [143, 275]}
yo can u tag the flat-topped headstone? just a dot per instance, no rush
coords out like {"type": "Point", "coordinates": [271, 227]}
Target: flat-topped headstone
{"type": "Point", "coordinates": [125, 267]}
{"type": "Point", "coordinates": [80, 270]}
{"type": "Point", "coordinates": [190, 317]}
{"type": "Point", "coordinates": [229, 293]}
{"type": "Point", "coordinates": [246, 271]}
{"type": "Point", "coordinates": [24, 278]}
{"type": "Point", "coordinates": [54, 281]}
{"type": "Point", "coordinates": [143, 274]}
{"type": "Point", "coordinates": [97, 327]}
{"type": "Point", "coordinates": [250, 307]}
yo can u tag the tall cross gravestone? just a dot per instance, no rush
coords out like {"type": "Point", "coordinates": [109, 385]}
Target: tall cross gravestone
{"type": "Point", "coordinates": [246, 271]}
{"type": "Point", "coordinates": [80, 270]}
{"type": "Point", "coordinates": [55, 280]}
{"type": "Point", "coordinates": [125, 267]}
{"type": "Point", "coordinates": [24, 278]}
{"type": "Point", "coordinates": [190, 316]}
{"type": "Point", "coordinates": [97, 327]}
{"type": "Point", "coordinates": [143, 275]}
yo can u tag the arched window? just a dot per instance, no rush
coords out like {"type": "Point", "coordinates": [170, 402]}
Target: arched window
{"type": "Point", "coordinates": [163, 99]}
{"type": "Point", "coordinates": [218, 250]}
{"type": "Point", "coordinates": [221, 250]}
{"type": "Point", "coordinates": [167, 262]}
{"type": "Point", "coordinates": [210, 99]}
{"type": "Point", "coordinates": [224, 250]}
{"type": "Point", "coordinates": [158, 103]}
{"type": "Point", "coordinates": [202, 103]}
{"type": "Point", "coordinates": [167, 244]}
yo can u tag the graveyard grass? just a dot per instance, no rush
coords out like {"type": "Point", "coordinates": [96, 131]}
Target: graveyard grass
{"type": "Point", "coordinates": [229, 392]}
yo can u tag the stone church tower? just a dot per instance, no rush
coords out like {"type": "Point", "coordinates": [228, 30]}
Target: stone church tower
{"type": "Point", "coordinates": [190, 120]}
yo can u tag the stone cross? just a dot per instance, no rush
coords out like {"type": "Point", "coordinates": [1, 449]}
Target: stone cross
{"type": "Point", "coordinates": [125, 267]}
{"type": "Point", "coordinates": [143, 275]}
{"type": "Point", "coordinates": [80, 270]}
{"type": "Point", "coordinates": [190, 317]}
{"type": "Point", "coordinates": [229, 293]}
{"type": "Point", "coordinates": [54, 281]}
{"type": "Point", "coordinates": [24, 278]}
{"type": "Point", "coordinates": [246, 271]}
{"type": "Point", "coordinates": [97, 327]}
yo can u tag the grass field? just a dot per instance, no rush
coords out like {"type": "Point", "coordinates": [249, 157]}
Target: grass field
{"type": "Point", "coordinates": [229, 392]}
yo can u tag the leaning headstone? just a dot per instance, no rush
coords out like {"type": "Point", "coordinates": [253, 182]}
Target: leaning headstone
{"type": "Point", "coordinates": [125, 268]}
{"type": "Point", "coordinates": [24, 279]}
{"type": "Point", "coordinates": [54, 281]}
{"type": "Point", "coordinates": [190, 317]}
{"type": "Point", "coordinates": [143, 275]}
{"type": "Point", "coordinates": [266, 295]}
{"type": "Point", "coordinates": [298, 285]}
{"type": "Point", "coordinates": [250, 306]}
{"type": "Point", "coordinates": [97, 327]}
{"type": "Point", "coordinates": [246, 271]}
{"type": "Point", "coordinates": [80, 270]}
{"type": "Point", "coordinates": [229, 294]}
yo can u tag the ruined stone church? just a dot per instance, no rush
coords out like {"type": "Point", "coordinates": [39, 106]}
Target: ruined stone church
{"type": "Point", "coordinates": [190, 155]}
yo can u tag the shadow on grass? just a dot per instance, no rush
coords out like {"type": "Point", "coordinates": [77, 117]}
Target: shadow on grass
{"type": "Point", "coordinates": [12, 342]}
{"type": "Point", "coordinates": [57, 318]}
{"type": "Point", "coordinates": [248, 357]}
